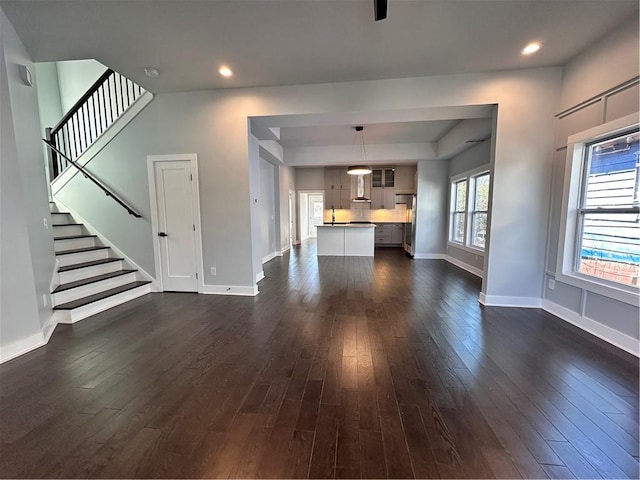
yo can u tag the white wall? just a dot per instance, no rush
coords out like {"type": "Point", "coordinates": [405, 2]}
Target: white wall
{"type": "Point", "coordinates": [26, 253]}
{"type": "Point", "coordinates": [608, 64]}
{"type": "Point", "coordinates": [267, 209]}
{"type": "Point", "coordinates": [48, 88]}
{"type": "Point", "coordinates": [431, 208]}
{"type": "Point", "coordinates": [287, 182]}
{"type": "Point", "coordinates": [214, 125]}
{"type": "Point", "coordinates": [74, 78]}
{"type": "Point", "coordinates": [474, 158]}
{"type": "Point", "coordinates": [310, 178]}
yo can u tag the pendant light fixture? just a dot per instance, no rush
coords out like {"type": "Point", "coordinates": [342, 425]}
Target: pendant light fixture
{"type": "Point", "coordinates": [359, 169]}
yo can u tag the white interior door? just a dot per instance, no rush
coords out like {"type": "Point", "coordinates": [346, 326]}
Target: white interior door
{"type": "Point", "coordinates": [176, 226]}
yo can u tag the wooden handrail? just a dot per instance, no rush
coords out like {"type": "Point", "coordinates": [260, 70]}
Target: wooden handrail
{"type": "Point", "coordinates": [107, 192]}
{"type": "Point", "coordinates": [78, 105]}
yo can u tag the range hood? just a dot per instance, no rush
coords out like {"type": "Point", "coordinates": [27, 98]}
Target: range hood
{"type": "Point", "coordinates": [360, 198]}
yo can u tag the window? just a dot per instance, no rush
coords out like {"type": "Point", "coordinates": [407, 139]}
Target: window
{"type": "Point", "coordinates": [608, 245]}
{"type": "Point", "coordinates": [459, 211]}
{"type": "Point", "coordinates": [599, 247]}
{"type": "Point", "coordinates": [479, 210]}
{"type": "Point", "coordinates": [469, 208]}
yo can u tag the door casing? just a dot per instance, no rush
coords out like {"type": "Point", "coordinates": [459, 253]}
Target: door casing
{"type": "Point", "coordinates": [195, 204]}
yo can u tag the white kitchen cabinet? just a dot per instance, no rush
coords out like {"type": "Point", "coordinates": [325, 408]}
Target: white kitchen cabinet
{"type": "Point", "coordinates": [389, 234]}
{"type": "Point", "coordinates": [338, 199]}
{"type": "Point", "coordinates": [397, 233]}
{"type": "Point", "coordinates": [383, 198]}
{"type": "Point", "coordinates": [383, 177]}
{"type": "Point", "coordinates": [337, 188]}
{"type": "Point", "coordinates": [405, 179]}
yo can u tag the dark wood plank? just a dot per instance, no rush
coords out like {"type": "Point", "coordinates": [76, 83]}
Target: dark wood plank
{"type": "Point", "coordinates": [350, 367]}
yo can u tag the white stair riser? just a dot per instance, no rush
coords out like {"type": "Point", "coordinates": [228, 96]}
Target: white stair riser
{"type": "Point", "coordinates": [67, 231]}
{"type": "Point", "coordinates": [92, 288]}
{"type": "Point", "coordinates": [60, 218]}
{"type": "Point", "coordinates": [82, 273]}
{"type": "Point", "coordinates": [102, 305]}
{"type": "Point", "coordinates": [73, 258]}
{"type": "Point", "coordinates": [73, 243]}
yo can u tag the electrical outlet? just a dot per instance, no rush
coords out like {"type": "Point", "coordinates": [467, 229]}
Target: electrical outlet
{"type": "Point", "coordinates": [551, 284]}
{"type": "Point", "coordinates": [46, 223]}
{"type": "Point", "coordinates": [213, 271]}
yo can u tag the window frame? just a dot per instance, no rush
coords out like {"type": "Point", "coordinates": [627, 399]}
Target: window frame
{"type": "Point", "coordinates": [453, 211]}
{"type": "Point", "coordinates": [575, 178]}
{"type": "Point", "coordinates": [470, 178]}
{"type": "Point", "coordinates": [473, 181]}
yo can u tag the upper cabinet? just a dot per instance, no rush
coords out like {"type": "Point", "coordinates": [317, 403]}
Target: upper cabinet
{"type": "Point", "coordinates": [405, 179]}
{"type": "Point", "coordinates": [337, 179]}
{"type": "Point", "coordinates": [383, 177]}
{"type": "Point", "coordinates": [337, 188]}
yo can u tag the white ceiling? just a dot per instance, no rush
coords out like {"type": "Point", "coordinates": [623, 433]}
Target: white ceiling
{"type": "Point", "coordinates": [285, 42]}
{"type": "Point", "coordinates": [374, 134]}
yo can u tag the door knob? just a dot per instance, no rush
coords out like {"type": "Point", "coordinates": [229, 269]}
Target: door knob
{"type": "Point", "coordinates": [162, 234]}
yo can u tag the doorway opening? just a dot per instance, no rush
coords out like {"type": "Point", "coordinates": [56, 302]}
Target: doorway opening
{"type": "Point", "coordinates": [311, 213]}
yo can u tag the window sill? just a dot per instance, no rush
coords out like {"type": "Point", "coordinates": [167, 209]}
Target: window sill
{"type": "Point", "coordinates": [591, 284]}
{"type": "Point", "coordinates": [466, 248]}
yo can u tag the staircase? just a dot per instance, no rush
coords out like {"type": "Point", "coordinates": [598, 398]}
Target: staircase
{"type": "Point", "coordinates": [92, 279]}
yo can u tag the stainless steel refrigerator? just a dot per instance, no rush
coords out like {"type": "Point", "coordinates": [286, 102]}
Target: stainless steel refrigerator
{"type": "Point", "coordinates": [410, 226]}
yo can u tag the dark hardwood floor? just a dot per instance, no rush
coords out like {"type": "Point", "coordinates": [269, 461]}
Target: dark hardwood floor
{"type": "Point", "coordinates": [340, 367]}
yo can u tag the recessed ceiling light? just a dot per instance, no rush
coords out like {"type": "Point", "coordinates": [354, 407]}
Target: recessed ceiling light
{"type": "Point", "coordinates": [225, 71]}
{"type": "Point", "coordinates": [533, 47]}
{"type": "Point", "coordinates": [151, 72]}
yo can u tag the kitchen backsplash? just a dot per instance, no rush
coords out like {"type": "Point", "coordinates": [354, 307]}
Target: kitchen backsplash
{"type": "Point", "coordinates": [363, 212]}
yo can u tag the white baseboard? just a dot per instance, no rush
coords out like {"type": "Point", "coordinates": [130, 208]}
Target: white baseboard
{"type": "Point", "coordinates": [268, 257]}
{"type": "Point", "coordinates": [27, 344]}
{"type": "Point", "coordinates": [155, 286]}
{"type": "Point", "coordinates": [465, 266]}
{"type": "Point", "coordinates": [102, 141]}
{"type": "Point", "coordinates": [259, 276]}
{"type": "Point", "coordinates": [285, 249]}
{"type": "Point", "coordinates": [230, 290]}
{"type": "Point", "coordinates": [50, 326]}
{"type": "Point", "coordinates": [20, 347]}
{"type": "Point", "coordinates": [608, 334]}
{"type": "Point", "coordinates": [428, 256]}
{"type": "Point", "coordinates": [507, 301]}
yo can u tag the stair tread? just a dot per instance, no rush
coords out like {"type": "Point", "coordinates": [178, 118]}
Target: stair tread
{"type": "Point", "coordinates": [81, 250]}
{"type": "Point", "coordinates": [81, 302]}
{"type": "Point", "coordinates": [72, 237]}
{"type": "Point", "coordinates": [87, 281]}
{"type": "Point", "coordinates": [92, 263]}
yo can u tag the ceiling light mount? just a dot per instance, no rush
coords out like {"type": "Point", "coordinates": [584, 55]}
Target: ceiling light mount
{"type": "Point", "coordinates": [151, 72]}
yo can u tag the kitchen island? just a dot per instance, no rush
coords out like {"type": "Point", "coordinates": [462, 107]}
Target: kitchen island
{"type": "Point", "coordinates": [346, 240]}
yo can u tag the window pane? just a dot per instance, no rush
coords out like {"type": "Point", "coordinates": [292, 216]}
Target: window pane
{"type": "Point", "coordinates": [610, 242]}
{"type": "Point", "coordinates": [482, 193]}
{"type": "Point", "coordinates": [610, 247]}
{"type": "Point", "coordinates": [457, 229]}
{"type": "Point", "coordinates": [461, 196]}
{"type": "Point", "coordinates": [612, 180]}
{"type": "Point", "coordinates": [478, 229]}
